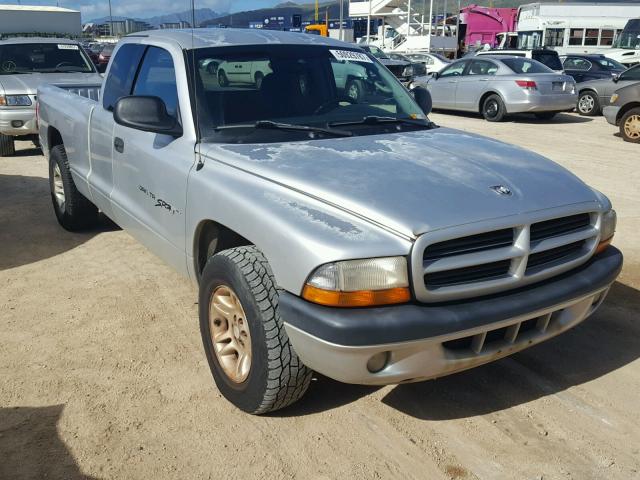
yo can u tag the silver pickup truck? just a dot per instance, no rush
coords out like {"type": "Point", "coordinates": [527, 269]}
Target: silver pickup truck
{"type": "Point", "coordinates": [348, 236]}
{"type": "Point", "coordinates": [27, 63]}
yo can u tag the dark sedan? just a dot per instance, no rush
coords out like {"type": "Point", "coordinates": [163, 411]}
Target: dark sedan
{"type": "Point", "coordinates": [590, 67]}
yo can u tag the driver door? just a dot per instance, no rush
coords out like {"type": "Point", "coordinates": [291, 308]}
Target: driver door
{"type": "Point", "coordinates": [151, 169]}
{"type": "Point", "coordinates": [443, 88]}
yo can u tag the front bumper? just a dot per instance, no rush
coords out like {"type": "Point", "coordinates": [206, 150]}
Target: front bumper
{"type": "Point", "coordinates": [428, 341]}
{"type": "Point", "coordinates": [610, 112]}
{"type": "Point", "coordinates": [25, 115]}
{"type": "Point", "coordinates": [542, 103]}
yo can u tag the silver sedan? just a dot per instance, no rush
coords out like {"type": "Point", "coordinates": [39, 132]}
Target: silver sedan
{"type": "Point", "coordinates": [498, 86]}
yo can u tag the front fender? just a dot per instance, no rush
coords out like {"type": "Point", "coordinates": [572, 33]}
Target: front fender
{"type": "Point", "coordinates": [296, 233]}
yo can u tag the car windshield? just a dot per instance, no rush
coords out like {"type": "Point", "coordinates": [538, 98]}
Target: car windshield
{"type": "Point", "coordinates": [440, 57]}
{"type": "Point", "coordinates": [243, 91]}
{"type": "Point", "coordinates": [525, 65]}
{"type": "Point", "coordinates": [43, 58]}
{"type": "Point", "coordinates": [608, 64]}
{"type": "Point", "coordinates": [376, 52]}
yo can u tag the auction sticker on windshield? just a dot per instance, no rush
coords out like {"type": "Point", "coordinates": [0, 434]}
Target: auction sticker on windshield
{"type": "Point", "coordinates": [66, 46]}
{"type": "Point", "coordinates": [351, 56]}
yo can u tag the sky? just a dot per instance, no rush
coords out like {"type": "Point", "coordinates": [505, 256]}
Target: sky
{"type": "Point", "coordinates": [147, 8]}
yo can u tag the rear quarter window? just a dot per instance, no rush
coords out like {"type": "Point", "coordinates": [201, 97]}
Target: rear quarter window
{"type": "Point", "coordinates": [549, 59]}
{"type": "Point", "coordinates": [525, 65]}
{"type": "Point", "coordinates": [121, 74]}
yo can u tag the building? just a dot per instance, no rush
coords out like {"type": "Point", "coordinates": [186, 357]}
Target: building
{"type": "Point", "coordinates": [36, 20]}
{"type": "Point", "coordinates": [180, 24]}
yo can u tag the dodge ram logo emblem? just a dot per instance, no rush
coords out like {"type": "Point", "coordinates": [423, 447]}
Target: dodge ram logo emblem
{"type": "Point", "coordinates": [501, 189]}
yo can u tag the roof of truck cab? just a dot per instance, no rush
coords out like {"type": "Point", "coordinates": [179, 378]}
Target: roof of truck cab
{"type": "Point", "coordinates": [227, 37]}
{"type": "Point", "coordinates": [15, 40]}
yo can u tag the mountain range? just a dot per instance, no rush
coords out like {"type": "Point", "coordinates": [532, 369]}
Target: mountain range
{"type": "Point", "coordinates": [201, 15]}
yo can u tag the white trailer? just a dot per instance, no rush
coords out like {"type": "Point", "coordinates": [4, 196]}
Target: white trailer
{"type": "Point", "coordinates": [573, 27]}
{"type": "Point", "coordinates": [30, 20]}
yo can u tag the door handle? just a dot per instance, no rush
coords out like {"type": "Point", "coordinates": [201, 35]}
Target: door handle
{"type": "Point", "coordinates": [118, 144]}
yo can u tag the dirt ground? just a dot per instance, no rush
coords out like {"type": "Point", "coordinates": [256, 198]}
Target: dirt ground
{"type": "Point", "coordinates": [102, 372]}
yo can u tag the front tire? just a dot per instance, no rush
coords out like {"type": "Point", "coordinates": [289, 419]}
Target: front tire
{"type": "Point", "coordinates": [73, 210]}
{"type": "Point", "coordinates": [630, 126]}
{"type": "Point", "coordinates": [588, 104]}
{"type": "Point", "coordinates": [223, 80]}
{"type": "Point", "coordinates": [248, 350]}
{"type": "Point", "coordinates": [7, 145]}
{"type": "Point", "coordinates": [493, 109]}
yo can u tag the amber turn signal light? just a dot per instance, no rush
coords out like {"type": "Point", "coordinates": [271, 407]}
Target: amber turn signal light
{"type": "Point", "coordinates": [360, 298]}
{"type": "Point", "coordinates": [602, 246]}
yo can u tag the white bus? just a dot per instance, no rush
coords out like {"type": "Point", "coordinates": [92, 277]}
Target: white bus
{"type": "Point", "coordinates": [573, 27]}
{"type": "Point", "coordinates": [626, 48]}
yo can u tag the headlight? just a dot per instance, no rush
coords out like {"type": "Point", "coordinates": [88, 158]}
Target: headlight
{"type": "Point", "coordinates": [408, 71]}
{"type": "Point", "coordinates": [607, 229]}
{"type": "Point", "coordinates": [359, 283]}
{"type": "Point", "coordinates": [15, 100]}
{"type": "Point", "coordinates": [614, 98]}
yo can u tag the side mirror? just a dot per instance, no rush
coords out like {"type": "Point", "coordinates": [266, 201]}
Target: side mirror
{"type": "Point", "coordinates": [616, 77]}
{"type": "Point", "coordinates": [435, 75]}
{"type": "Point", "coordinates": [146, 113]}
{"type": "Point", "coordinates": [423, 99]}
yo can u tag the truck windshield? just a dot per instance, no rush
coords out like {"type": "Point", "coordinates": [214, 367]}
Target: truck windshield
{"type": "Point", "coordinates": [43, 58]}
{"type": "Point", "coordinates": [241, 89]}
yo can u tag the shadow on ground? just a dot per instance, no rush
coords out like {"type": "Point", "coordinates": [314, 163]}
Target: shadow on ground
{"type": "Point", "coordinates": [523, 117]}
{"type": "Point", "coordinates": [603, 343]}
{"type": "Point", "coordinates": [29, 231]}
{"type": "Point", "coordinates": [30, 447]}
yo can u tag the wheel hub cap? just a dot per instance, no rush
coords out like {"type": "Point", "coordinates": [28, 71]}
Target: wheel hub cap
{"type": "Point", "coordinates": [230, 334]}
{"type": "Point", "coordinates": [586, 104]}
{"type": "Point", "coordinates": [632, 127]}
{"type": "Point", "coordinates": [492, 109]}
{"type": "Point", "coordinates": [58, 186]}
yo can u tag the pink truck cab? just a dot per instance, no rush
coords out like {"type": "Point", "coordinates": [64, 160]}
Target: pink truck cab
{"type": "Point", "coordinates": [481, 25]}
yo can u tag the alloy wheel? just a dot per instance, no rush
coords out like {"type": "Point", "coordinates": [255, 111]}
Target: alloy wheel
{"type": "Point", "coordinates": [58, 187]}
{"type": "Point", "coordinates": [230, 334]}
{"type": "Point", "coordinates": [632, 127]}
{"type": "Point", "coordinates": [586, 104]}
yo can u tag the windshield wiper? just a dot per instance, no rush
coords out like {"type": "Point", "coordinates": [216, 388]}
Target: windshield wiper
{"type": "Point", "coordinates": [377, 120]}
{"type": "Point", "coordinates": [17, 72]}
{"type": "Point", "coordinates": [270, 125]}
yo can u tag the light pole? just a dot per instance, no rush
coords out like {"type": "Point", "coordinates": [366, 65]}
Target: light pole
{"type": "Point", "coordinates": [341, 19]}
{"type": "Point", "coordinates": [110, 20]}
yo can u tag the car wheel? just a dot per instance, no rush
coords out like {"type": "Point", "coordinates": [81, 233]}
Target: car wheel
{"type": "Point", "coordinates": [73, 210]}
{"type": "Point", "coordinates": [545, 115]}
{"type": "Point", "coordinates": [7, 145]}
{"type": "Point", "coordinates": [588, 104]}
{"type": "Point", "coordinates": [258, 79]}
{"type": "Point", "coordinates": [493, 109]}
{"type": "Point", "coordinates": [630, 126]}
{"type": "Point", "coordinates": [248, 350]}
{"type": "Point", "coordinates": [354, 90]}
{"type": "Point", "coordinates": [223, 80]}
{"type": "Point", "coordinates": [212, 68]}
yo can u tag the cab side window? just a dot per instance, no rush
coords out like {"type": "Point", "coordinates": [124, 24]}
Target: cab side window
{"type": "Point", "coordinates": [157, 77]}
{"type": "Point", "coordinates": [121, 74]}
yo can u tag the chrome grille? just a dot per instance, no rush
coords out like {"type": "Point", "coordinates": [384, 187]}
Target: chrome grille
{"type": "Point", "coordinates": [459, 263]}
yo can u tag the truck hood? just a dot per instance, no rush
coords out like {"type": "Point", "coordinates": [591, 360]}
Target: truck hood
{"type": "Point", "coordinates": [413, 182]}
{"type": "Point", "coordinates": [21, 84]}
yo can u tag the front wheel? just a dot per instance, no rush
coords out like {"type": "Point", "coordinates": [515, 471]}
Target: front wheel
{"type": "Point", "coordinates": [223, 80]}
{"type": "Point", "coordinates": [630, 126]}
{"type": "Point", "coordinates": [7, 145]}
{"type": "Point", "coordinates": [248, 350]}
{"type": "Point", "coordinates": [493, 109]}
{"type": "Point", "coordinates": [588, 104]}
